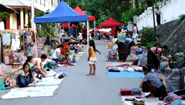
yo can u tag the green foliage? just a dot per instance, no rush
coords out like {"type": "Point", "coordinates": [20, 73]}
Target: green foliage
{"type": "Point", "coordinates": [102, 9]}
{"type": "Point", "coordinates": [3, 15]}
{"type": "Point", "coordinates": [128, 15]}
{"type": "Point", "coordinates": [181, 18]}
{"type": "Point", "coordinates": [179, 49]}
{"type": "Point", "coordinates": [148, 37]}
{"type": "Point", "coordinates": [47, 29]}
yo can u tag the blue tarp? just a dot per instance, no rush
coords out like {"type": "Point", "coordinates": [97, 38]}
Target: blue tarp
{"type": "Point", "coordinates": [63, 13]}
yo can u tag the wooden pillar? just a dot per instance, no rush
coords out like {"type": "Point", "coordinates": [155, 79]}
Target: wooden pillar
{"type": "Point", "coordinates": [22, 18]}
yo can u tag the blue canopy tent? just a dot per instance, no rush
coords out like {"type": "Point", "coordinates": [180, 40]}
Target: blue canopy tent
{"type": "Point", "coordinates": [63, 13]}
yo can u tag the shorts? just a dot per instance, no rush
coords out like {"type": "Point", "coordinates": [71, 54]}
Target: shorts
{"type": "Point", "coordinates": [92, 60]}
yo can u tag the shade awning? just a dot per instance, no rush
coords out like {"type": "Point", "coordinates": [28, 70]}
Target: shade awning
{"type": "Point", "coordinates": [63, 13]}
{"type": "Point", "coordinates": [110, 23]}
{"type": "Point", "coordinates": [79, 11]}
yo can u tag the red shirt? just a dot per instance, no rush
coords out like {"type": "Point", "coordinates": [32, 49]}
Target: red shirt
{"type": "Point", "coordinates": [62, 51]}
{"type": "Point", "coordinates": [84, 33]}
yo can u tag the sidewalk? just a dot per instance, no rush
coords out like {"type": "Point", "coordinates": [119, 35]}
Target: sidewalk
{"type": "Point", "coordinates": [78, 89]}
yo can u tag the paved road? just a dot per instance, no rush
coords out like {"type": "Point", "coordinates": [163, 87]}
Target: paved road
{"type": "Point", "coordinates": [78, 89]}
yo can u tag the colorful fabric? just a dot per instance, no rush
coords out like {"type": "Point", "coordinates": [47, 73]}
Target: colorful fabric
{"type": "Point", "coordinates": [46, 49]}
{"type": "Point", "coordinates": [14, 58]}
{"type": "Point", "coordinates": [49, 65]}
{"type": "Point", "coordinates": [22, 60]}
{"type": "Point", "coordinates": [142, 59]}
{"type": "Point", "coordinates": [164, 65]}
{"type": "Point", "coordinates": [174, 79]}
{"type": "Point", "coordinates": [41, 53]}
{"type": "Point", "coordinates": [134, 49]}
{"type": "Point", "coordinates": [2, 85]}
{"type": "Point", "coordinates": [31, 51]}
{"type": "Point", "coordinates": [172, 97]}
{"type": "Point", "coordinates": [5, 68]}
{"type": "Point", "coordinates": [53, 44]}
{"type": "Point", "coordinates": [136, 91]}
{"type": "Point", "coordinates": [112, 55]}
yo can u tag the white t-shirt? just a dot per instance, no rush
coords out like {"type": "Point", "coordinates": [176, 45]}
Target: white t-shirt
{"type": "Point", "coordinates": [54, 56]}
{"type": "Point", "coordinates": [46, 61]}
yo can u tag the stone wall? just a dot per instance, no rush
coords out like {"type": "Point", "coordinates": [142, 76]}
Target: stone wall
{"type": "Point", "coordinates": [177, 39]}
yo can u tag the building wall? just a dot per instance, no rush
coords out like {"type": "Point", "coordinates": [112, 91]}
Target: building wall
{"type": "Point", "coordinates": [13, 21]}
{"type": "Point", "coordinates": [42, 5]}
{"type": "Point", "coordinates": [170, 11]}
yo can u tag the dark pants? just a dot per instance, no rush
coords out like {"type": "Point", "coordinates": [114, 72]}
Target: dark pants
{"type": "Point", "coordinates": [23, 81]}
{"type": "Point", "coordinates": [157, 92]}
{"type": "Point", "coordinates": [57, 59]}
{"type": "Point", "coordinates": [153, 61]}
{"type": "Point", "coordinates": [158, 19]}
{"type": "Point", "coordinates": [121, 51]}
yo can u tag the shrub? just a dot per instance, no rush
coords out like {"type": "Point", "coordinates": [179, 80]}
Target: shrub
{"type": "Point", "coordinates": [181, 18]}
{"type": "Point", "coordinates": [148, 37]}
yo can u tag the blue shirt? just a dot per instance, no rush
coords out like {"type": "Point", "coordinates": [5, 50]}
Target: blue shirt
{"type": "Point", "coordinates": [153, 78]}
{"type": "Point", "coordinates": [122, 38]}
{"type": "Point", "coordinates": [72, 31]}
{"type": "Point", "coordinates": [47, 42]}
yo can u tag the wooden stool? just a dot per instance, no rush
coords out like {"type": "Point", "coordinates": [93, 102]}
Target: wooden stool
{"type": "Point", "coordinates": [15, 65]}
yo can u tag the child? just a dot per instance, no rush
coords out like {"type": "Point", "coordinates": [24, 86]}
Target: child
{"type": "Point", "coordinates": [25, 76]}
{"type": "Point", "coordinates": [44, 59]}
{"type": "Point", "coordinates": [57, 54]}
{"type": "Point", "coordinates": [152, 83]}
{"type": "Point", "coordinates": [92, 57]}
{"type": "Point", "coordinates": [36, 62]}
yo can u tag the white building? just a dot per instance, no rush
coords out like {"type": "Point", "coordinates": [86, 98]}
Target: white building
{"type": "Point", "coordinates": [18, 21]}
{"type": "Point", "coordinates": [171, 10]}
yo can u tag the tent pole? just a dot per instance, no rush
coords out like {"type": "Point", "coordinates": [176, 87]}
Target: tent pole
{"type": "Point", "coordinates": [87, 37]}
{"type": "Point", "coordinates": [94, 29]}
{"type": "Point", "coordinates": [76, 32]}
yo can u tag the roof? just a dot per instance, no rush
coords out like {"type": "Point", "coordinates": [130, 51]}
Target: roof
{"type": "Point", "coordinates": [4, 8]}
{"type": "Point", "coordinates": [79, 11]}
{"type": "Point", "coordinates": [13, 3]}
{"type": "Point", "coordinates": [110, 23]}
{"type": "Point", "coordinates": [63, 13]}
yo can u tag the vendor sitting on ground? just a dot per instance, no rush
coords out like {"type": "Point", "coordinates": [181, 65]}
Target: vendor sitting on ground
{"type": "Point", "coordinates": [47, 41]}
{"type": "Point", "coordinates": [57, 54]}
{"type": "Point", "coordinates": [44, 59]}
{"type": "Point", "coordinates": [64, 46]}
{"type": "Point", "coordinates": [36, 62]}
{"type": "Point", "coordinates": [80, 45]}
{"type": "Point", "coordinates": [25, 76]}
{"type": "Point", "coordinates": [154, 57]}
{"type": "Point", "coordinates": [152, 83]}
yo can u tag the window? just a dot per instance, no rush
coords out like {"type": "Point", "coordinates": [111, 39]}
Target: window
{"type": "Point", "coordinates": [40, 2]}
{"type": "Point", "coordinates": [44, 2]}
{"type": "Point", "coordinates": [51, 2]}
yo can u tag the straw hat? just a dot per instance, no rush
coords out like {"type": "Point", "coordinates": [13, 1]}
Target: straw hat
{"type": "Point", "coordinates": [114, 40]}
{"type": "Point", "coordinates": [131, 58]}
